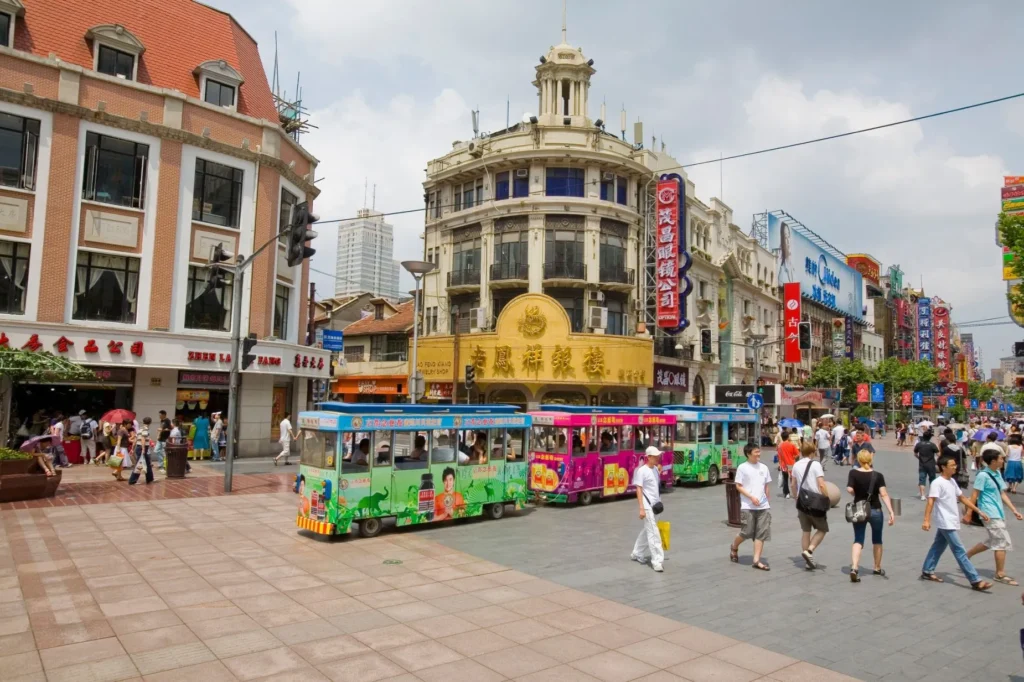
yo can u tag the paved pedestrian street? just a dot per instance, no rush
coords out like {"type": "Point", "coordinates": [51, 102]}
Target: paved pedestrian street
{"type": "Point", "coordinates": [224, 587]}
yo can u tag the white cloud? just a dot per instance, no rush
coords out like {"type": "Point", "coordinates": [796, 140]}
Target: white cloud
{"type": "Point", "coordinates": [387, 147]}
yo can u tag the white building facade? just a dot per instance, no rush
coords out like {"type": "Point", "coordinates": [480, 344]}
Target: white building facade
{"type": "Point", "coordinates": [365, 261]}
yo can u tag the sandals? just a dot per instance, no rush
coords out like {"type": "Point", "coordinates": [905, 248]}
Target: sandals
{"type": "Point", "coordinates": [734, 555]}
{"type": "Point", "coordinates": [932, 577]}
{"type": "Point", "coordinates": [981, 586]}
{"type": "Point", "coordinates": [761, 566]}
{"type": "Point", "coordinates": [1006, 580]}
{"type": "Point", "coordinates": [880, 571]}
{"type": "Point", "coordinates": [854, 576]}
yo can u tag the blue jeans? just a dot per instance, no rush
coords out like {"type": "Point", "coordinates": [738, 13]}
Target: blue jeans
{"type": "Point", "coordinates": [951, 538]}
{"type": "Point", "coordinates": [158, 454]}
{"type": "Point", "coordinates": [860, 529]}
{"type": "Point", "coordinates": [215, 446]}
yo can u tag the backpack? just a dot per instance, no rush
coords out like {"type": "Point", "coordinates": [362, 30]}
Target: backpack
{"type": "Point", "coordinates": [86, 431]}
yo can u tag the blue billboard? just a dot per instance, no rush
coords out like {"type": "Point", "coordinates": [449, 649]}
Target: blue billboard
{"type": "Point", "coordinates": [877, 393]}
{"type": "Point", "coordinates": [924, 329]}
{"type": "Point", "coordinates": [823, 278]}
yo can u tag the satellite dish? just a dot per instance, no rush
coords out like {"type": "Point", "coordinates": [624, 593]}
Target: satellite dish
{"type": "Point", "coordinates": [526, 117]}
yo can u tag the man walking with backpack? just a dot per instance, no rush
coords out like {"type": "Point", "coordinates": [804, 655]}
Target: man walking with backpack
{"type": "Point", "coordinates": [87, 432]}
{"type": "Point", "coordinates": [812, 503]}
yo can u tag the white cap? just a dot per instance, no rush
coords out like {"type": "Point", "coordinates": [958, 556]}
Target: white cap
{"type": "Point", "coordinates": [653, 452]}
{"type": "Point", "coordinates": [81, 413]}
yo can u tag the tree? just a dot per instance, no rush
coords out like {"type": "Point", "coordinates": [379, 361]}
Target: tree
{"type": "Point", "coordinates": [980, 390]}
{"type": "Point", "coordinates": [847, 373]}
{"type": "Point", "coordinates": [20, 366]}
{"type": "Point", "coordinates": [1011, 233]}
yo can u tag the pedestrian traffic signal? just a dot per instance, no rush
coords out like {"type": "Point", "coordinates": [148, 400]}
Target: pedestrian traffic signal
{"type": "Point", "coordinates": [705, 342]}
{"type": "Point", "coordinates": [805, 336]}
{"type": "Point", "coordinates": [300, 234]}
{"type": "Point", "coordinates": [215, 276]}
{"type": "Point", "coordinates": [248, 357]}
{"type": "Point", "coordinates": [470, 377]}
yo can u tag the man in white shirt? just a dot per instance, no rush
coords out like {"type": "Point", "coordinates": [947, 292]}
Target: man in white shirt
{"type": "Point", "coordinates": [87, 428]}
{"type": "Point", "coordinates": [823, 441]}
{"type": "Point", "coordinates": [809, 476]}
{"type": "Point", "coordinates": [943, 495]}
{"type": "Point", "coordinates": [838, 431]}
{"type": "Point", "coordinates": [752, 479]}
{"type": "Point", "coordinates": [648, 493]}
{"type": "Point", "coordinates": [285, 439]}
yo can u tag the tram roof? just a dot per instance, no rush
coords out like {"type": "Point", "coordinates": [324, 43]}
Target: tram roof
{"type": "Point", "coordinates": [606, 409]}
{"type": "Point", "coordinates": [420, 410]}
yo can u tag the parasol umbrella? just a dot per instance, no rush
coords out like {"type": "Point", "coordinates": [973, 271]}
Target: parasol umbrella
{"type": "Point", "coordinates": [982, 434]}
{"type": "Point", "coordinates": [924, 423]}
{"type": "Point", "coordinates": [791, 424]}
{"type": "Point", "coordinates": [827, 416]}
{"type": "Point", "coordinates": [118, 416]}
{"type": "Point", "coordinates": [30, 444]}
{"type": "Point", "coordinates": [870, 422]}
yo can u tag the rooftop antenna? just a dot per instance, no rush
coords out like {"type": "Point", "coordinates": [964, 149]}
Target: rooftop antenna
{"type": "Point", "coordinates": [374, 207]}
{"type": "Point", "coordinates": [364, 191]}
{"type": "Point", "coordinates": [622, 121]}
{"type": "Point", "coordinates": [508, 104]}
{"type": "Point", "coordinates": [476, 121]}
{"type": "Point", "coordinates": [563, 23]}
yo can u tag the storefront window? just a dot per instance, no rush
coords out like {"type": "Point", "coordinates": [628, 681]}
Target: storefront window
{"type": "Point", "coordinates": [282, 294]}
{"type": "Point", "coordinates": [208, 307]}
{"type": "Point", "coordinates": [106, 287]}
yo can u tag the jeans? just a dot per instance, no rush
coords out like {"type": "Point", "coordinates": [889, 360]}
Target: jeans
{"type": "Point", "coordinates": [60, 458]}
{"type": "Point", "coordinates": [860, 529]}
{"type": "Point", "coordinates": [951, 538]}
{"type": "Point", "coordinates": [785, 482]}
{"type": "Point", "coordinates": [215, 447]}
{"type": "Point", "coordinates": [158, 454]}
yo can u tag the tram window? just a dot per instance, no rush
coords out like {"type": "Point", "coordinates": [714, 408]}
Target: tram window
{"type": "Point", "coordinates": [515, 445]}
{"type": "Point", "coordinates": [704, 432]}
{"type": "Point", "coordinates": [720, 434]}
{"type": "Point", "coordinates": [686, 432]}
{"type": "Point", "coordinates": [474, 448]}
{"type": "Point", "coordinates": [382, 448]}
{"type": "Point", "coordinates": [443, 450]}
{"type": "Point", "coordinates": [747, 433]}
{"type": "Point", "coordinates": [626, 443]}
{"type": "Point", "coordinates": [411, 450]}
{"type": "Point", "coordinates": [665, 432]}
{"type": "Point", "coordinates": [317, 448]}
{"type": "Point", "coordinates": [608, 442]}
{"type": "Point", "coordinates": [579, 438]}
{"type": "Point", "coordinates": [550, 439]}
{"type": "Point", "coordinates": [734, 433]}
{"type": "Point", "coordinates": [356, 457]}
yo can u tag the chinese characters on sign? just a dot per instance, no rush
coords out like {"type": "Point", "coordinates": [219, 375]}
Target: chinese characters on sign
{"type": "Point", "coordinates": [561, 362]}
{"type": "Point", "coordinates": [671, 378]}
{"type": "Point", "coordinates": [849, 338]}
{"type": "Point", "coordinates": [671, 258]}
{"type": "Point", "coordinates": [906, 398]}
{"type": "Point", "coordinates": [863, 391]}
{"type": "Point", "coordinates": [308, 361]}
{"type": "Point", "coordinates": [838, 337]}
{"type": "Point", "coordinates": [924, 329]}
{"type": "Point", "coordinates": [791, 317]}
{"type": "Point", "coordinates": [940, 340]}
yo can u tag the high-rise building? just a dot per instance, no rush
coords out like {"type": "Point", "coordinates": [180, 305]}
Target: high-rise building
{"type": "Point", "coordinates": [365, 263]}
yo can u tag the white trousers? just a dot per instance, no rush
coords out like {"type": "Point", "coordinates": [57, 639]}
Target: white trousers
{"type": "Point", "coordinates": [648, 543]}
{"type": "Point", "coordinates": [286, 450]}
{"type": "Point", "coordinates": [88, 449]}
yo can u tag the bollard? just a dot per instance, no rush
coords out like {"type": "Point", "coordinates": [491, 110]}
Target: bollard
{"type": "Point", "coordinates": [897, 506]}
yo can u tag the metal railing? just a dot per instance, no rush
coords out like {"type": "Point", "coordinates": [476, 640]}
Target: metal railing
{"type": "Point", "coordinates": [463, 277]}
{"type": "Point", "coordinates": [563, 270]}
{"type": "Point", "coordinates": [618, 275]}
{"type": "Point", "coordinates": [503, 271]}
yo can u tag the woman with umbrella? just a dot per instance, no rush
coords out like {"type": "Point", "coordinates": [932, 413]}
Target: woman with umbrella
{"type": "Point", "coordinates": [39, 447]}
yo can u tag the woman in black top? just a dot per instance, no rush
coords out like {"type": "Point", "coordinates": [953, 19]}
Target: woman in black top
{"type": "Point", "coordinates": [859, 484]}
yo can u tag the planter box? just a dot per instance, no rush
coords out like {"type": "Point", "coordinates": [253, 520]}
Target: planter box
{"type": "Point", "coordinates": [17, 466]}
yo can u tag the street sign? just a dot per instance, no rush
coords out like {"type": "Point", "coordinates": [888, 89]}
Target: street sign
{"type": "Point", "coordinates": [918, 397]}
{"type": "Point", "coordinates": [334, 340]}
{"type": "Point", "coordinates": [755, 401]}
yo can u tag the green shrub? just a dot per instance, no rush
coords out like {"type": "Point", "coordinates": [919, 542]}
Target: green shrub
{"type": "Point", "coordinates": [7, 454]}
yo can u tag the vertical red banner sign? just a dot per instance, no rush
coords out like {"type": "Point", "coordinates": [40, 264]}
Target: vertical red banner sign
{"type": "Point", "coordinates": [791, 317]}
{"type": "Point", "coordinates": [940, 335]}
{"type": "Point", "coordinates": [967, 403]}
{"type": "Point", "coordinates": [666, 261]}
{"type": "Point", "coordinates": [907, 398]}
{"type": "Point", "coordinates": [863, 393]}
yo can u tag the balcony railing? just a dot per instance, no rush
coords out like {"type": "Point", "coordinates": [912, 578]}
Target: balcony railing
{"type": "Point", "coordinates": [561, 270]}
{"type": "Point", "coordinates": [617, 275]}
{"type": "Point", "coordinates": [503, 271]}
{"type": "Point", "coordinates": [458, 278]}
{"type": "Point", "coordinates": [393, 356]}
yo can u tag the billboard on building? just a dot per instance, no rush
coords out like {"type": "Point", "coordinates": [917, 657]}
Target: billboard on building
{"type": "Point", "coordinates": [848, 337]}
{"type": "Point", "coordinates": [943, 348]}
{"type": "Point", "coordinates": [824, 278]}
{"type": "Point", "coordinates": [924, 329]}
{"type": "Point", "coordinates": [895, 281]}
{"type": "Point", "coordinates": [791, 318]}
{"type": "Point", "coordinates": [671, 258]}
{"type": "Point", "coordinates": [838, 337]}
{"type": "Point", "coordinates": [868, 267]}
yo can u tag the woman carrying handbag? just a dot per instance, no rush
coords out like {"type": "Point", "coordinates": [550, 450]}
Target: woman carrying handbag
{"type": "Point", "coordinates": [868, 489]}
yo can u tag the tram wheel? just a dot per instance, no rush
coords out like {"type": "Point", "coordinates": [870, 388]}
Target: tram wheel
{"type": "Point", "coordinates": [496, 511]}
{"type": "Point", "coordinates": [585, 498]}
{"type": "Point", "coordinates": [713, 478]}
{"type": "Point", "coordinates": [369, 528]}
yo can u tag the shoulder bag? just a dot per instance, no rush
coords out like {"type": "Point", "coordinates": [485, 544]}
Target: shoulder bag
{"type": "Point", "coordinates": [657, 507]}
{"type": "Point", "coordinates": [809, 502]}
{"type": "Point", "coordinates": [858, 512]}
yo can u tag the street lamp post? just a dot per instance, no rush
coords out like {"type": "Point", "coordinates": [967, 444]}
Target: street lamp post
{"type": "Point", "coordinates": [416, 268]}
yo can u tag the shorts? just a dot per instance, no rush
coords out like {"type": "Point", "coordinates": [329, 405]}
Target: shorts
{"type": "Point", "coordinates": [757, 524]}
{"type": "Point", "coordinates": [823, 453]}
{"type": "Point", "coordinates": [998, 536]}
{"type": "Point", "coordinates": [925, 477]}
{"type": "Point", "coordinates": [808, 522]}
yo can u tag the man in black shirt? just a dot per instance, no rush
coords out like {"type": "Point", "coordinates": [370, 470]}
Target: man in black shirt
{"type": "Point", "coordinates": [926, 451]}
{"type": "Point", "coordinates": [161, 440]}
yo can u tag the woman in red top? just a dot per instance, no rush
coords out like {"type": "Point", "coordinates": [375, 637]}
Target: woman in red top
{"type": "Point", "coordinates": [788, 454]}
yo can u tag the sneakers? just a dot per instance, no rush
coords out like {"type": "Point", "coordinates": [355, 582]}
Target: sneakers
{"type": "Point", "coordinates": [924, 499]}
{"type": "Point", "coordinates": [809, 559]}
{"type": "Point", "coordinates": [634, 557]}
{"type": "Point", "coordinates": [658, 568]}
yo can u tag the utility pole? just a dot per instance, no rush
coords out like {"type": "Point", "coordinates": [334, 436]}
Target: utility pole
{"type": "Point", "coordinates": [455, 356]}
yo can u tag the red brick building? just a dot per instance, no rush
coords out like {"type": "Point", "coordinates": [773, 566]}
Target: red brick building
{"type": "Point", "coordinates": [133, 138]}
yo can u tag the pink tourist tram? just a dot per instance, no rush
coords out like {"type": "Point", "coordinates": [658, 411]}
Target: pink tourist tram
{"type": "Point", "coordinates": [579, 453]}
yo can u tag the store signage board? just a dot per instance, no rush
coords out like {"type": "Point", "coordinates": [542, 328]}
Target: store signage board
{"type": "Point", "coordinates": [671, 257]}
{"type": "Point", "coordinates": [791, 318]}
{"type": "Point", "coordinates": [333, 340]}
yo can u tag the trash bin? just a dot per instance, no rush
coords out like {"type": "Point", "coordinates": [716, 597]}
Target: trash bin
{"type": "Point", "coordinates": [176, 459]}
{"type": "Point", "coordinates": [732, 503]}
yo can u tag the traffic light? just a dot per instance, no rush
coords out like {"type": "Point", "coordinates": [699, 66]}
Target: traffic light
{"type": "Point", "coordinates": [805, 336]}
{"type": "Point", "coordinates": [300, 234]}
{"type": "Point", "coordinates": [215, 276]}
{"type": "Point", "coordinates": [248, 357]}
{"type": "Point", "coordinates": [470, 377]}
{"type": "Point", "coordinates": [705, 342]}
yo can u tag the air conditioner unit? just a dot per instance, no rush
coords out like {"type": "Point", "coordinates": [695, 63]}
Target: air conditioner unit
{"type": "Point", "coordinates": [598, 317]}
{"type": "Point", "coordinates": [638, 306]}
{"type": "Point", "coordinates": [607, 175]}
{"type": "Point", "coordinates": [597, 296]}
{"type": "Point", "coordinates": [522, 172]}
{"type": "Point", "coordinates": [477, 319]}
{"type": "Point", "coordinates": [476, 148]}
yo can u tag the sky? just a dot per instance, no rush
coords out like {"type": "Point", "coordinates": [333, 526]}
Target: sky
{"type": "Point", "coordinates": [390, 84]}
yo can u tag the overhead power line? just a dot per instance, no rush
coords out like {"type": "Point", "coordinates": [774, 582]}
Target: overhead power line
{"type": "Point", "coordinates": [766, 150]}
